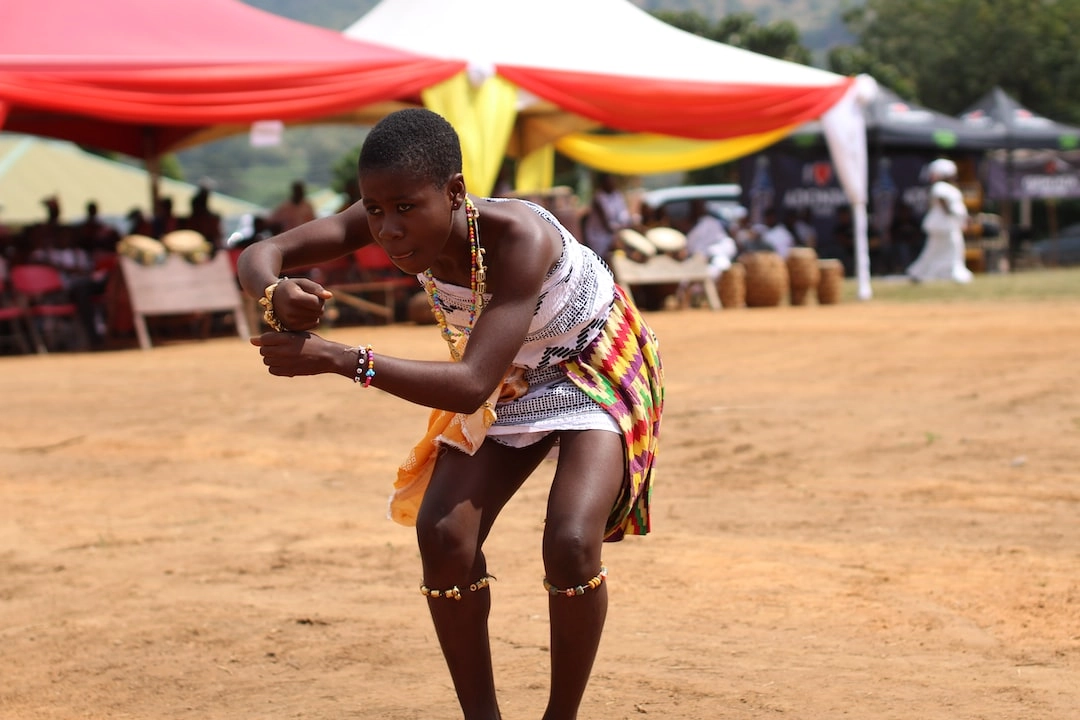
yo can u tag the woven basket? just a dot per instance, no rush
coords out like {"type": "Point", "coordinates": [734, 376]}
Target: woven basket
{"type": "Point", "coordinates": [803, 273]}
{"type": "Point", "coordinates": [832, 279]}
{"type": "Point", "coordinates": [766, 279]}
{"type": "Point", "coordinates": [732, 286]}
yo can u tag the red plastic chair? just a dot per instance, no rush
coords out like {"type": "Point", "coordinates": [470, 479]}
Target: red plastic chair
{"type": "Point", "coordinates": [39, 290]}
{"type": "Point", "coordinates": [374, 260]}
{"type": "Point", "coordinates": [14, 317]}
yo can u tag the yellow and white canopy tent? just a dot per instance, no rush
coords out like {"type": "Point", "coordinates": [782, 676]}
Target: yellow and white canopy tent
{"type": "Point", "coordinates": [541, 75]}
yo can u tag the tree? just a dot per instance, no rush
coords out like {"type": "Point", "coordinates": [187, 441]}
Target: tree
{"type": "Point", "coordinates": [344, 170]}
{"type": "Point", "coordinates": [777, 39]}
{"type": "Point", "coordinates": [945, 54]}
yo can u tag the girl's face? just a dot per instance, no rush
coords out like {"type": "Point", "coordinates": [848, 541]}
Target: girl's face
{"type": "Point", "coordinates": [409, 217]}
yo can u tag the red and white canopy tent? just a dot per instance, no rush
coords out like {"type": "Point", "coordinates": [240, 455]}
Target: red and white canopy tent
{"type": "Point", "coordinates": [539, 74]}
{"type": "Point", "coordinates": [143, 78]}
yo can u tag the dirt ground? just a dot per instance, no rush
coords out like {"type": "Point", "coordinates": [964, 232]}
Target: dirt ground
{"type": "Point", "coordinates": [867, 510]}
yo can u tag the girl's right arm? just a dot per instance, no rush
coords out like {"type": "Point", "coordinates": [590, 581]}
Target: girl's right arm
{"type": "Point", "coordinates": [315, 242]}
{"type": "Point", "coordinates": [299, 303]}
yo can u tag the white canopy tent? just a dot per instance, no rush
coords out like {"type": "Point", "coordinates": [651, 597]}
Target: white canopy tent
{"type": "Point", "coordinates": [539, 74]}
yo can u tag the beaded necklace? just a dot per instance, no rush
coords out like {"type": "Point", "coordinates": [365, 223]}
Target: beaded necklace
{"type": "Point", "coordinates": [477, 283]}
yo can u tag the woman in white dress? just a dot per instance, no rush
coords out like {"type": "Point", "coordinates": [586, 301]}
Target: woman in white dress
{"type": "Point", "coordinates": [942, 258]}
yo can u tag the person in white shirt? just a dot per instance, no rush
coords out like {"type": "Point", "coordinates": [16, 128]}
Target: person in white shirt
{"type": "Point", "coordinates": [710, 238]}
{"type": "Point", "coordinates": [776, 234]}
{"type": "Point", "coordinates": [608, 214]}
{"type": "Point", "coordinates": [942, 258]}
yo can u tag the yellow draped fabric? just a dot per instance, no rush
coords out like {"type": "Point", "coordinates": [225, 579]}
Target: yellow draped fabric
{"type": "Point", "coordinates": [536, 171]}
{"type": "Point", "coordinates": [639, 154]}
{"type": "Point", "coordinates": [483, 116]}
{"type": "Point", "coordinates": [644, 153]}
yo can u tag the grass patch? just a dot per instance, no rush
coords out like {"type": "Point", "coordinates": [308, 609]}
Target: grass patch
{"type": "Point", "coordinates": [1025, 285]}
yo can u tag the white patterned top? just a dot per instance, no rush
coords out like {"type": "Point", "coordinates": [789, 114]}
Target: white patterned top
{"type": "Point", "coordinates": [573, 306]}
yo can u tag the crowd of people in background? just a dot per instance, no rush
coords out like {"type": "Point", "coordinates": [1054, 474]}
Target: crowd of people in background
{"type": "Point", "coordinates": [721, 240]}
{"type": "Point", "coordinates": [84, 252]}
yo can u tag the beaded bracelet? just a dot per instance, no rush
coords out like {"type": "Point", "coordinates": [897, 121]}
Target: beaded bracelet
{"type": "Point", "coordinates": [593, 583]}
{"type": "Point", "coordinates": [267, 301]}
{"type": "Point", "coordinates": [361, 363]}
{"type": "Point", "coordinates": [454, 593]}
{"type": "Point", "coordinates": [365, 366]}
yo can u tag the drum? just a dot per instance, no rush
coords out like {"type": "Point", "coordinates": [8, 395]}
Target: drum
{"type": "Point", "coordinates": [766, 279]}
{"type": "Point", "coordinates": [732, 286]}
{"type": "Point", "coordinates": [634, 242]}
{"type": "Point", "coordinates": [831, 281]}
{"type": "Point", "coordinates": [666, 239]}
{"type": "Point", "coordinates": [803, 273]}
{"type": "Point", "coordinates": [189, 244]}
{"type": "Point", "coordinates": [142, 249]}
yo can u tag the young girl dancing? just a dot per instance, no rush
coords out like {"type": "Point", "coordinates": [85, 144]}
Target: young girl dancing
{"type": "Point", "coordinates": [546, 352]}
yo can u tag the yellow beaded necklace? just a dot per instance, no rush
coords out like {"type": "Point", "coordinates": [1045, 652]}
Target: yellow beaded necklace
{"type": "Point", "coordinates": [477, 282]}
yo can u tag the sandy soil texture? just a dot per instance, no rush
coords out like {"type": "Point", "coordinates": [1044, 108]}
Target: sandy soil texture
{"type": "Point", "coordinates": [867, 510]}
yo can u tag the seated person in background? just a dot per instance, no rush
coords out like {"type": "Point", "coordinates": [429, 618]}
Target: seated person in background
{"type": "Point", "coordinates": [652, 217]}
{"type": "Point", "coordinates": [710, 238]}
{"type": "Point", "coordinates": [802, 227]}
{"type": "Point", "coordinates": [203, 220]}
{"type": "Point", "coordinates": [93, 235]}
{"type": "Point", "coordinates": [164, 221]}
{"type": "Point", "coordinates": [775, 233]}
{"type": "Point", "coordinates": [351, 194]}
{"type": "Point", "coordinates": [608, 214]}
{"type": "Point", "coordinates": [138, 223]}
{"type": "Point", "coordinates": [294, 211]}
{"type": "Point", "coordinates": [54, 244]}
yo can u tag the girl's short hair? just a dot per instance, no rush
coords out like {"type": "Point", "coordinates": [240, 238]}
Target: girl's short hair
{"type": "Point", "coordinates": [413, 140]}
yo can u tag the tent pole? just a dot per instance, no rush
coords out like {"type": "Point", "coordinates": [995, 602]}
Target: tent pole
{"type": "Point", "coordinates": [1007, 209]}
{"type": "Point", "coordinates": [152, 162]}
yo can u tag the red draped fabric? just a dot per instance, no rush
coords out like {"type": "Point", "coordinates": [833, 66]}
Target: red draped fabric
{"type": "Point", "coordinates": [138, 77]}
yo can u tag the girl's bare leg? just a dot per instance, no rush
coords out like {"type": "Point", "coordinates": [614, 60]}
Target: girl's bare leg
{"type": "Point", "coordinates": [465, 496]}
{"type": "Point", "coordinates": [587, 483]}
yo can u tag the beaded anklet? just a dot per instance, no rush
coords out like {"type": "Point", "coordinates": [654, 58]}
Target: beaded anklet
{"type": "Point", "coordinates": [454, 593]}
{"type": "Point", "coordinates": [593, 583]}
{"type": "Point", "coordinates": [365, 366]}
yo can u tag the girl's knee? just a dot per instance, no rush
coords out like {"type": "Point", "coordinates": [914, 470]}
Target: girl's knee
{"type": "Point", "coordinates": [570, 553]}
{"type": "Point", "coordinates": [445, 541]}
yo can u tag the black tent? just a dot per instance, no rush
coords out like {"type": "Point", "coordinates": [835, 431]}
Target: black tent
{"type": "Point", "coordinates": [902, 139]}
{"type": "Point", "coordinates": [1033, 163]}
{"type": "Point", "coordinates": [1022, 128]}
{"type": "Point", "coordinates": [892, 122]}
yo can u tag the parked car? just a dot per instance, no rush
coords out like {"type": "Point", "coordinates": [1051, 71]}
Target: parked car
{"type": "Point", "coordinates": [721, 200]}
{"type": "Point", "coordinates": [1062, 250]}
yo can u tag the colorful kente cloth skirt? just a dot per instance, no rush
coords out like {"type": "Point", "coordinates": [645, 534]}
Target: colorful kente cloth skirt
{"type": "Point", "coordinates": [621, 371]}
